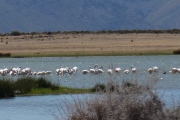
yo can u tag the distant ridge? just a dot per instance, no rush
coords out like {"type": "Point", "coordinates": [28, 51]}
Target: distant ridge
{"type": "Point", "coordinates": [88, 15]}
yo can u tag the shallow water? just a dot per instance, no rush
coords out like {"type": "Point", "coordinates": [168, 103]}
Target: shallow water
{"type": "Point", "coordinates": [32, 108]}
{"type": "Point", "coordinates": [43, 107]}
{"type": "Point", "coordinates": [50, 107]}
{"type": "Point", "coordinates": [142, 63]}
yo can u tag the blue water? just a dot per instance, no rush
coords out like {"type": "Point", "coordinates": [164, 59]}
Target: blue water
{"type": "Point", "coordinates": [44, 107]}
{"type": "Point", "coordinates": [33, 108]}
{"type": "Point", "coordinates": [142, 63]}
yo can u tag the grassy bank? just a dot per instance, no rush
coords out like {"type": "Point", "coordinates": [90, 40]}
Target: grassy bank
{"type": "Point", "coordinates": [60, 90]}
{"type": "Point", "coordinates": [34, 86]}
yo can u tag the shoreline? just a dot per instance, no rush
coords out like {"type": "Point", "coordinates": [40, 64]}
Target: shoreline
{"type": "Point", "coordinates": [85, 54]}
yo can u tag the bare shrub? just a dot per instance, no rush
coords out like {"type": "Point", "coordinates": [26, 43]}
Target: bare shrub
{"type": "Point", "coordinates": [1, 54]}
{"type": "Point", "coordinates": [176, 51]}
{"type": "Point", "coordinates": [6, 54]}
{"type": "Point", "coordinates": [15, 33]}
{"type": "Point", "coordinates": [125, 101]}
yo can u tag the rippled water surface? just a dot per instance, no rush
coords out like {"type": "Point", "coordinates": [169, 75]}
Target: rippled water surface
{"type": "Point", "coordinates": [43, 107]}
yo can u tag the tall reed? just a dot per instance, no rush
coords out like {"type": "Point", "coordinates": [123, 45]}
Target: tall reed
{"type": "Point", "coordinates": [6, 89]}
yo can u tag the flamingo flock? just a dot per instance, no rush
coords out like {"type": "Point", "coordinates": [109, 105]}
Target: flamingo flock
{"type": "Point", "coordinates": [70, 71]}
{"type": "Point", "coordinates": [99, 70]}
{"type": "Point", "coordinates": [67, 70]}
{"type": "Point", "coordinates": [22, 71]}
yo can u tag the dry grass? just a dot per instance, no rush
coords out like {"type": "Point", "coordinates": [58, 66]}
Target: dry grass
{"type": "Point", "coordinates": [89, 44]}
{"type": "Point", "coordinates": [128, 101]}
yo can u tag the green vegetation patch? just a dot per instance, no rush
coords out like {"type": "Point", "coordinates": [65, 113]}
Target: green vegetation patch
{"type": "Point", "coordinates": [34, 86]}
{"type": "Point", "coordinates": [6, 89]}
{"type": "Point", "coordinates": [60, 90]}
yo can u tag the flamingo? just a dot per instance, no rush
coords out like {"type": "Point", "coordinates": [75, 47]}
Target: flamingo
{"type": "Point", "coordinates": [41, 73]}
{"type": "Point", "coordinates": [91, 70]}
{"type": "Point", "coordinates": [133, 69]}
{"type": "Point", "coordinates": [12, 73]}
{"type": "Point", "coordinates": [126, 71]}
{"type": "Point", "coordinates": [27, 70]}
{"type": "Point", "coordinates": [174, 70]}
{"type": "Point", "coordinates": [85, 71]}
{"type": "Point", "coordinates": [109, 71]}
{"type": "Point", "coordinates": [14, 69]}
{"type": "Point", "coordinates": [57, 71]}
{"type": "Point", "coordinates": [75, 69]}
{"type": "Point", "coordinates": [71, 71]}
{"type": "Point", "coordinates": [62, 71]}
{"type": "Point", "coordinates": [178, 70]}
{"type": "Point", "coordinates": [48, 72]}
{"type": "Point", "coordinates": [100, 70]}
{"type": "Point", "coordinates": [155, 69]}
{"type": "Point", "coordinates": [34, 73]}
{"type": "Point", "coordinates": [4, 71]}
{"type": "Point", "coordinates": [97, 70]}
{"type": "Point", "coordinates": [117, 70]}
{"type": "Point", "coordinates": [150, 70]}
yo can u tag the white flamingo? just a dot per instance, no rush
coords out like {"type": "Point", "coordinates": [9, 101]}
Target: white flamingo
{"type": "Point", "coordinates": [150, 70]}
{"type": "Point", "coordinates": [100, 70]}
{"type": "Point", "coordinates": [155, 69]}
{"type": "Point", "coordinates": [27, 70]}
{"type": "Point", "coordinates": [117, 70]}
{"type": "Point", "coordinates": [75, 69]}
{"type": "Point", "coordinates": [133, 69]}
{"type": "Point", "coordinates": [109, 71]}
{"type": "Point", "coordinates": [34, 73]}
{"type": "Point", "coordinates": [41, 73]}
{"type": "Point", "coordinates": [174, 70]}
{"type": "Point", "coordinates": [92, 70]}
{"type": "Point", "coordinates": [4, 71]}
{"type": "Point", "coordinates": [57, 71]}
{"type": "Point", "coordinates": [178, 70]}
{"type": "Point", "coordinates": [85, 72]}
{"type": "Point", "coordinates": [48, 72]}
{"type": "Point", "coordinates": [126, 71]}
{"type": "Point", "coordinates": [12, 73]}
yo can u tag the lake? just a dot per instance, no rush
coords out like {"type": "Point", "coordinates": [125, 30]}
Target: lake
{"type": "Point", "coordinates": [43, 107]}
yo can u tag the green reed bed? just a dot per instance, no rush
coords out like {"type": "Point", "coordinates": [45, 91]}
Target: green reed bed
{"type": "Point", "coordinates": [33, 86]}
{"type": "Point", "coordinates": [6, 89]}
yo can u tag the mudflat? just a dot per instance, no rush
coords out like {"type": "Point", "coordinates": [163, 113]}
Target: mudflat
{"type": "Point", "coordinates": [89, 44]}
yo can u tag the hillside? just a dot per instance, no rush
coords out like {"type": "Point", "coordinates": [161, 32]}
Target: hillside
{"type": "Point", "coordinates": [73, 15]}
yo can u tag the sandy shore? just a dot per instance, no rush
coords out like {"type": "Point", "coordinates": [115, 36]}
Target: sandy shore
{"type": "Point", "coordinates": [89, 44]}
